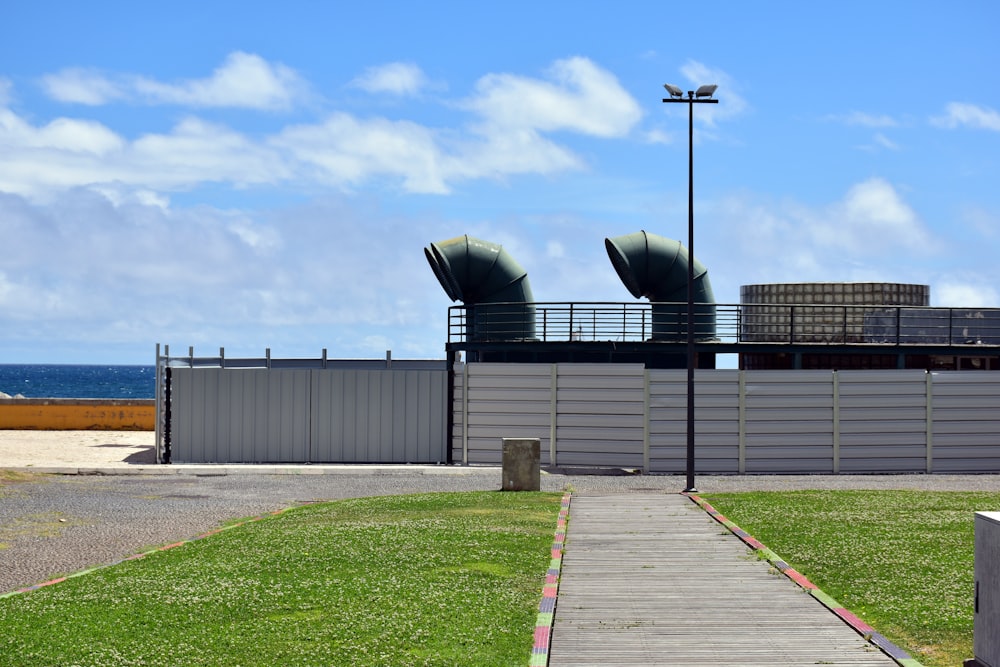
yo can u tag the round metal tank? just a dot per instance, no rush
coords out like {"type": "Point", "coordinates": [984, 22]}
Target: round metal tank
{"type": "Point", "coordinates": [827, 313]}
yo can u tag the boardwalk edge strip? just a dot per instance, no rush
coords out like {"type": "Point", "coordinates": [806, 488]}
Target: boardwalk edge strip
{"type": "Point", "coordinates": [869, 634]}
{"type": "Point", "coordinates": [550, 592]}
{"type": "Point", "coordinates": [166, 547]}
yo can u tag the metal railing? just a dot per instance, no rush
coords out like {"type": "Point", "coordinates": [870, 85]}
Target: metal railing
{"type": "Point", "coordinates": [723, 323]}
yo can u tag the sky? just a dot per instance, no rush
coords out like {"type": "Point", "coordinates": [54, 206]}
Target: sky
{"type": "Point", "coordinates": [253, 175]}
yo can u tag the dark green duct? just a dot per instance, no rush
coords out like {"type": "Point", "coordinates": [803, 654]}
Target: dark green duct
{"type": "Point", "coordinates": [655, 267]}
{"type": "Point", "coordinates": [492, 285]}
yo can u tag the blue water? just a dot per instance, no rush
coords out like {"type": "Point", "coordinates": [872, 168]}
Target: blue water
{"type": "Point", "coordinates": [76, 381]}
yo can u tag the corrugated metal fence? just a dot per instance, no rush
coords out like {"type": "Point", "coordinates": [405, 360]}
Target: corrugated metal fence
{"type": "Point", "coordinates": [318, 415]}
{"type": "Point", "coordinates": [746, 421]}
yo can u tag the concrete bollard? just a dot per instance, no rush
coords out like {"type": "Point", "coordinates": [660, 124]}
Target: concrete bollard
{"type": "Point", "coordinates": [521, 471]}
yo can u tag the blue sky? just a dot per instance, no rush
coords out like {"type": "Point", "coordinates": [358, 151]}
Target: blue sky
{"type": "Point", "coordinates": [250, 175]}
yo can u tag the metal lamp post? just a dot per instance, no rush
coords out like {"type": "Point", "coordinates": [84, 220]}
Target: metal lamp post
{"type": "Point", "coordinates": [703, 95]}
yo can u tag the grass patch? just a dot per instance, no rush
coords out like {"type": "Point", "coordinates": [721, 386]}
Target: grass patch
{"type": "Point", "coordinates": [432, 579]}
{"type": "Point", "coordinates": [901, 560]}
{"type": "Point", "coordinates": [8, 476]}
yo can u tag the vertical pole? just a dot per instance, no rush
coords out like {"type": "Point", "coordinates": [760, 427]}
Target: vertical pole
{"type": "Point", "coordinates": [690, 487]}
{"type": "Point", "coordinates": [158, 422]}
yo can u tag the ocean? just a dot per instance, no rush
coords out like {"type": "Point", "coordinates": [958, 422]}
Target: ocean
{"type": "Point", "coordinates": [78, 381]}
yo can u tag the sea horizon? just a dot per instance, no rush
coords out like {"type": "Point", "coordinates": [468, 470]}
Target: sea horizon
{"type": "Point", "coordinates": [117, 381]}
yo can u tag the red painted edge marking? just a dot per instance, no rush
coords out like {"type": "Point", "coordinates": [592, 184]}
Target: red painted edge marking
{"type": "Point", "coordinates": [859, 625]}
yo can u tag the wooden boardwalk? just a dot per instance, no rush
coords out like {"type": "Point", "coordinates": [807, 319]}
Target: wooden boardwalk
{"type": "Point", "coordinates": [651, 579]}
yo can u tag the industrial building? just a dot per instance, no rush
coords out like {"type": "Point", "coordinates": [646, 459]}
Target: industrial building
{"type": "Point", "coordinates": [832, 378]}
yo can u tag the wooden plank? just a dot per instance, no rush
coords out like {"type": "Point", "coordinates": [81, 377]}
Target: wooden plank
{"type": "Point", "coordinates": [652, 580]}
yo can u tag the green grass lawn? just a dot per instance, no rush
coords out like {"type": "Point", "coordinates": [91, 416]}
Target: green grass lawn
{"type": "Point", "coordinates": [901, 560]}
{"type": "Point", "coordinates": [434, 579]}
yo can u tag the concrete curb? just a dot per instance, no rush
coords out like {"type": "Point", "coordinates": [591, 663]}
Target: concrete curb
{"type": "Point", "coordinates": [258, 469]}
{"type": "Point", "coordinates": [869, 634]}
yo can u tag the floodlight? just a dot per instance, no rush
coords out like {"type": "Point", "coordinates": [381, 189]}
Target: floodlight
{"type": "Point", "coordinates": [705, 91]}
{"type": "Point", "coordinates": [673, 90]}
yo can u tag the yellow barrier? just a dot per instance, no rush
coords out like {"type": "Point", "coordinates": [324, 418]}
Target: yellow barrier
{"type": "Point", "coordinates": [77, 414]}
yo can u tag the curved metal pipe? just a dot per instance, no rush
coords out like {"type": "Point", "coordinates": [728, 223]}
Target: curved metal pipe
{"type": "Point", "coordinates": [490, 282]}
{"type": "Point", "coordinates": [655, 267]}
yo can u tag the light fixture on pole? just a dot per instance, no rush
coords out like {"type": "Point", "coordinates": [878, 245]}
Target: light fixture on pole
{"type": "Point", "coordinates": [703, 95]}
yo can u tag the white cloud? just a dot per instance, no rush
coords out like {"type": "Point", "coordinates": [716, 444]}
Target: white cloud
{"type": "Point", "coordinates": [506, 132]}
{"type": "Point", "coordinates": [731, 103]}
{"type": "Point", "coordinates": [862, 119]}
{"type": "Point", "coordinates": [244, 80]}
{"type": "Point", "coordinates": [68, 153]}
{"type": "Point", "coordinates": [513, 151]}
{"type": "Point", "coordinates": [579, 96]}
{"type": "Point", "coordinates": [873, 217]}
{"type": "Point", "coordinates": [5, 91]}
{"type": "Point", "coordinates": [659, 137]}
{"type": "Point", "coordinates": [958, 114]}
{"type": "Point", "coordinates": [82, 86]}
{"type": "Point", "coordinates": [196, 152]}
{"type": "Point", "coordinates": [325, 274]}
{"type": "Point", "coordinates": [885, 142]}
{"type": "Point", "coordinates": [77, 136]}
{"type": "Point", "coordinates": [869, 234]}
{"type": "Point", "coordinates": [393, 78]}
{"type": "Point", "coordinates": [952, 294]}
{"type": "Point", "coordinates": [344, 150]}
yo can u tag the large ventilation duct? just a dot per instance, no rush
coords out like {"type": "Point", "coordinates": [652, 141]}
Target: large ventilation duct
{"type": "Point", "coordinates": [655, 267]}
{"type": "Point", "coordinates": [490, 283]}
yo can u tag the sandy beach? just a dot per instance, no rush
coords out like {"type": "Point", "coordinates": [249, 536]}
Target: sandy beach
{"type": "Point", "coordinates": [53, 449]}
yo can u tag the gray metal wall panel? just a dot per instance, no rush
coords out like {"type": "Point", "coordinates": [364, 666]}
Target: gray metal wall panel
{"type": "Point", "coordinates": [716, 427]}
{"type": "Point", "coordinates": [506, 401]}
{"type": "Point", "coordinates": [458, 413]}
{"type": "Point", "coordinates": [797, 437]}
{"type": "Point", "coordinates": [259, 415]}
{"type": "Point", "coordinates": [883, 421]}
{"type": "Point", "coordinates": [868, 464]}
{"type": "Point", "coordinates": [237, 415]}
{"type": "Point", "coordinates": [966, 428]}
{"type": "Point", "coordinates": [881, 424]}
{"type": "Point", "coordinates": [600, 414]}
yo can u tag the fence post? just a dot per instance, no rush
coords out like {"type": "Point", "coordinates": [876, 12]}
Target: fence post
{"type": "Point", "coordinates": [836, 422]}
{"type": "Point", "coordinates": [553, 413]}
{"type": "Point", "coordinates": [465, 412]}
{"type": "Point", "coordinates": [645, 422]}
{"type": "Point", "coordinates": [929, 384]}
{"type": "Point", "coordinates": [742, 443]}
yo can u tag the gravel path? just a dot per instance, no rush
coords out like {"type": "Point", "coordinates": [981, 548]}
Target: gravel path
{"type": "Point", "coordinates": [52, 525]}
